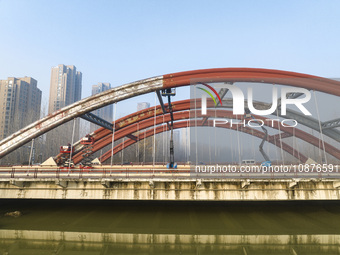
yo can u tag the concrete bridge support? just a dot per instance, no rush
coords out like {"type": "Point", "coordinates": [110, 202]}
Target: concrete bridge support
{"type": "Point", "coordinates": [173, 190]}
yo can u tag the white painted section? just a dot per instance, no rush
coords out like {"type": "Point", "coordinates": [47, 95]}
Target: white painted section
{"type": "Point", "coordinates": [49, 162]}
{"type": "Point", "coordinates": [77, 109]}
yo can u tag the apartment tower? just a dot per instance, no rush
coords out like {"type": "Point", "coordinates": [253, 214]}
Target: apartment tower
{"type": "Point", "coordinates": [20, 103]}
{"type": "Point", "coordinates": [65, 89]}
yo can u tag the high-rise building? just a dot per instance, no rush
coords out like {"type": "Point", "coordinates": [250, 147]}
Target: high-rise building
{"type": "Point", "coordinates": [20, 103]}
{"type": "Point", "coordinates": [104, 112]}
{"type": "Point", "coordinates": [65, 89]}
{"type": "Point", "coordinates": [142, 106]}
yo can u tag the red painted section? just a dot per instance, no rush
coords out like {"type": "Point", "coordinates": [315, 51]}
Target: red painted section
{"type": "Point", "coordinates": [252, 75]}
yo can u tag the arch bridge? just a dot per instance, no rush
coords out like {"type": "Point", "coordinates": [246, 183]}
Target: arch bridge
{"type": "Point", "coordinates": [138, 126]}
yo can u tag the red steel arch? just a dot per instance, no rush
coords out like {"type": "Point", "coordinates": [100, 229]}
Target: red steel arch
{"type": "Point", "coordinates": [183, 124]}
{"type": "Point", "coordinates": [150, 113]}
{"type": "Point", "coordinates": [106, 140]}
{"type": "Point", "coordinates": [252, 75]}
{"type": "Point", "coordinates": [161, 82]}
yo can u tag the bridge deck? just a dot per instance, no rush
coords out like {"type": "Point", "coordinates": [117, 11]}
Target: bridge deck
{"type": "Point", "coordinates": [160, 183]}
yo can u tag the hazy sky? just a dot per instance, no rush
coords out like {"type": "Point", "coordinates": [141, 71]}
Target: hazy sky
{"type": "Point", "coordinates": [123, 41]}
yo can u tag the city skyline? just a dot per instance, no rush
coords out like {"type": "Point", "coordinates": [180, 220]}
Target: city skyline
{"type": "Point", "coordinates": [65, 88]}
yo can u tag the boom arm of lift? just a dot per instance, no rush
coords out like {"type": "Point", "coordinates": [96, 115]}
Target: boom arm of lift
{"type": "Point", "coordinates": [265, 156]}
{"type": "Point", "coordinates": [169, 93]}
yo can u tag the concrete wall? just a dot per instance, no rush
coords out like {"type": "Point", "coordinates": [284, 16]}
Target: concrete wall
{"type": "Point", "coordinates": [168, 189]}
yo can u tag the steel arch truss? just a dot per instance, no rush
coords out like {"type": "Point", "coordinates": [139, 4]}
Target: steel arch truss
{"type": "Point", "coordinates": [202, 123]}
{"type": "Point", "coordinates": [137, 118]}
{"type": "Point", "coordinates": [180, 115]}
{"type": "Point", "coordinates": [163, 82]}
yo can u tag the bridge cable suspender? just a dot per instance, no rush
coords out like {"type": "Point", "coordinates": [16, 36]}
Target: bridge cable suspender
{"type": "Point", "coordinates": [253, 143]}
{"type": "Point", "coordinates": [163, 142]}
{"type": "Point", "coordinates": [209, 136]}
{"type": "Point", "coordinates": [321, 133]}
{"type": "Point", "coordinates": [215, 139]}
{"type": "Point", "coordinates": [280, 137]}
{"type": "Point", "coordinates": [72, 140]}
{"type": "Point", "coordinates": [268, 151]}
{"type": "Point", "coordinates": [276, 148]}
{"type": "Point", "coordinates": [320, 150]}
{"type": "Point", "coordinates": [166, 151]}
{"type": "Point", "coordinates": [294, 143]}
{"type": "Point", "coordinates": [297, 146]}
{"type": "Point", "coordinates": [172, 156]}
{"type": "Point", "coordinates": [195, 125]}
{"type": "Point", "coordinates": [31, 153]}
{"type": "Point", "coordinates": [122, 151]}
{"type": "Point", "coordinates": [144, 146]}
{"type": "Point", "coordinates": [113, 132]}
{"type": "Point", "coordinates": [186, 143]}
{"type": "Point", "coordinates": [238, 143]}
{"type": "Point", "coordinates": [241, 144]}
{"type": "Point", "coordinates": [231, 146]}
{"type": "Point", "coordinates": [154, 134]}
{"type": "Point", "coordinates": [137, 143]}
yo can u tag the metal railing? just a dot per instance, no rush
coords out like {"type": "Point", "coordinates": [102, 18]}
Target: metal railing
{"type": "Point", "coordinates": [149, 172]}
{"type": "Point", "coordinates": [90, 173]}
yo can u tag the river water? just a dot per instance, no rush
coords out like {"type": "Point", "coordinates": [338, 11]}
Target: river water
{"type": "Point", "coordinates": [139, 227]}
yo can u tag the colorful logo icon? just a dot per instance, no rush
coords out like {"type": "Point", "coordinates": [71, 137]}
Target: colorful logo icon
{"type": "Point", "coordinates": [210, 94]}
